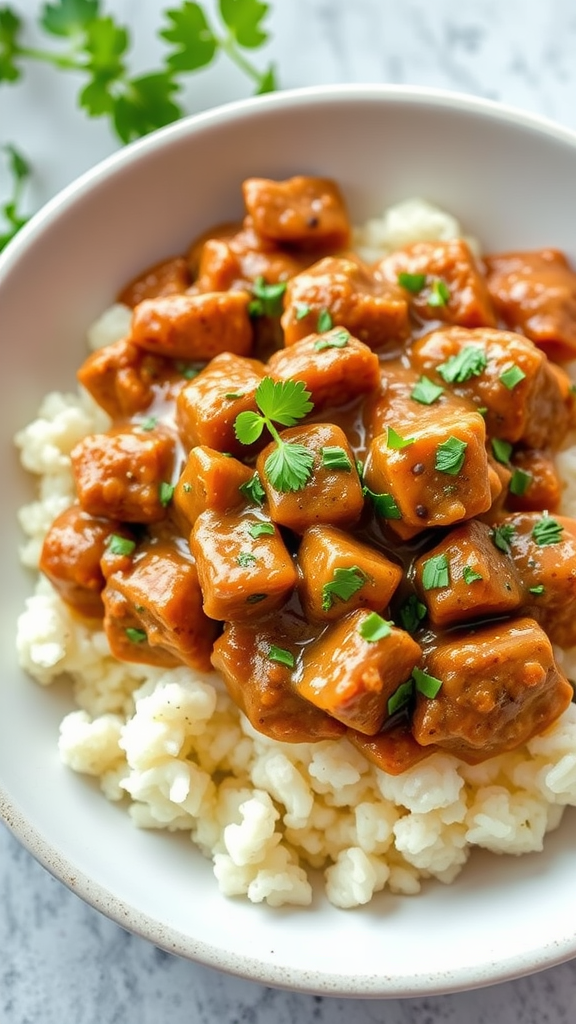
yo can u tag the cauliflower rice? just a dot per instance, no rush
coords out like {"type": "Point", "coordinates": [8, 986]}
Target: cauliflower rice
{"type": "Point", "coordinates": [174, 746]}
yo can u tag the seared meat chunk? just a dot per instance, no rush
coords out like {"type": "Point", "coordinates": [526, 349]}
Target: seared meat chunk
{"type": "Point", "coordinates": [335, 367]}
{"type": "Point", "coordinates": [500, 686]}
{"type": "Point", "coordinates": [170, 277]}
{"type": "Point", "coordinates": [195, 327]}
{"type": "Point", "coordinates": [209, 480]}
{"type": "Point", "coordinates": [125, 474]}
{"type": "Point", "coordinates": [302, 211]}
{"type": "Point", "coordinates": [122, 378]}
{"type": "Point", "coordinates": [207, 407]}
{"type": "Point", "coordinates": [442, 281]}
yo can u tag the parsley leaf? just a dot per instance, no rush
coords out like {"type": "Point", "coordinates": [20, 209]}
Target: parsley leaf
{"type": "Point", "coordinates": [428, 685]}
{"type": "Point", "coordinates": [136, 636]}
{"type": "Point", "coordinates": [435, 572]}
{"type": "Point", "coordinates": [343, 585]}
{"type": "Point", "coordinates": [289, 466]}
{"type": "Point", "coordinates": [469, 362]}
{"type": "Point", "coordinates": [512, 376]}
{"type": "Point", "coordinates": [520, 482]}
{"type": "Point", "coordinates": [450, 456]}
{"type": "Point", "coordinates": [374, 628]}
{"type": "Point", "coordinates": [245, 558]}
{"type": "Point", "coordinates": [243, 18]}
{"type": "Point", "coordinates": [281, 655]}
{"type": "Point", "coordinates": [145, 104]}
{"type": "Point", "coordinates": [439, 293]}
{"type": "Point", "coordinates": [401, 697]}
{"type": "Point", "coordinates": [69, 17]}
{"type": "Point", "coordinates": [384, 504]}
{"type": "Point", "coordinates": [411, 613]}
{"type": "Point", "coordinates": [394, 440]}
{"type": "Point", "coordinates": [324, 322]}
{"type": "Point", "coordinates": [253, 490]}
{"type": "Point", "coordinates": [260, 529]}
{"type": "Point", "coordinates": [502, 535]}
{"type": "Point", "coordinates": [469, 575]}
{"type": "Point", "coordinates": [268, 298]}
{"type": "Point", "coordinates": [413, 283]}
{"type": "Point", "coordinates": [547, 531]}
{"type": "Point", "coordinates": [10, 26]}
{"type": "Point", "coordinates": [192, 36]}
{"type": "Point", "coordinates": [337, 339]}
{"type": "Point", "coordinates": [334, 457]}
{"type": "Point", "coordinates": [502, 450]}
{"type": "Point", "coordinates": [426, 391]}
{"type": "Point", "coordinates": [120, 545]}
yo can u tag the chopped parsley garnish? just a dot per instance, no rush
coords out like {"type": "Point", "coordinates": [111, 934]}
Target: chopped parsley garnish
{"type": "Point", "coordinates": [233, 395]}
{"type": "Point", "coordinates": [411, 613]}
{"type": "Point", "coordinates": [289, 466]}
{"type": "Point", "coordinates": [149, 423]}
{"type": "Point", "coordinates": [435, 572]}
{"type": "Point", "coordinates": [302, 310]}
{"type": "Point", "coordinates": [334, 457]}
{"type": "Point", "coordinates": [426, 684]}
{"type": "Point", "coordinates": [539, 589]}
{"type": "Point", "coordinates": [245, 558]}
{"type": "Point", "coordinates": [165, 492]}
{"type": "Point", "coordinates": [502, 535]}
{"type": "Point", "coordinates": [439, 293]}
{"type": "Point", "coordinates": [324, 322]}
{"type": "Point", "coordinates": [547, 531]}
{"type": "Point", "coordinates": [502, 450]}
{"type": "Point", "coordinates": [120, 545]}
{"type": "Point", "coordinates": [187, 370]}
{"type": "Point", "coordinates": [401, 697]}
{"type": "Point", "coordinates": [469, 362]}
{"type": "Point", "coordinates": [136, 636]}
{"type": "Point", "coordinates": [268, 298]}
{"type": "Point", "coordinates": [450, 456]}
{"type": "Point", "coordinates": [374, 628]}
{"type": "Point", "coordinates": [394, 440]}
{"type": "Point", "coordinates": [281, 655]}
{"type": "Point", "coordinates": [339, 339]}
{"type": "Point", "coordinates": [413, 283]}
{"type": "Point", "coordinates": [426, 391]}
{"type": "Point", "coordinates": [512, 376]}
{"type": "Point", "coordinates": [520, 482]}
{"type": "Point", "coordinates": [260, 530]}
{"type": "Point", "coordinates": [255, 598]}
{"type": "Point", "coordinates": [252, 490]}
{"type": "Point", "coordinates": [343, 585]}
{"type": "Point", "coordinates": [384, 504]}
{"type": "Point", "coordinates": [469, 575]}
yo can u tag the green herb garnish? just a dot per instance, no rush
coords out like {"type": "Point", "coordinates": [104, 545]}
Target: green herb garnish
{"type": "Point", "coordinates": [268, 298]}
{"type": "Point", "coordinates": [413, 283]}
{"type": "Point", "coordinates": [502, 535]}
{"type": "Point", "coordinates": [512, 376]}
{"type": "Point", "coordinates": [255, 598]}
{"type": "Point", "coordinates": [384, 504]}
{"type": "Point", "coordinates": [334, 457]}
{"type": "Point", "coordinates": [547, 531]}
{"type": "Point", "coordinates": [18, 169]}
{"type": "Point", "coordinates": [324, 322]}
{"type": "Point", "coordinates": [252, 490]}
{"type": "Point", "coordinates": [136, 636]}
{"type": "Point", "coordinates": [439, 293]}
{"type": "Point", "coordinates": [260, 530]}
{"type": "Point", "coordinates": [187, 370]}
{"type": "Point", "coordinates": [302, 310]}
{"type": "Point", "coordinates": [339, 339]}
{"type": "Point", "coordinates": [469, 575]}
{"type": "Point", "coordinates": [120, 545]}
{"type": "Point", "coordinates": [502, 450]}
{"type": "Point", "coordinates": [374, 628]}
{"type": "Point", "coordinates": [411, 613]}
{"type": "Point", "coordinates": [520, 482]}
{"type": "Point", "coordinates": [245, 558]}
{"type": "Point", "coordinates": [289, 466]}
{"type": "Point", "coordinates": [469, 362]}
{"type": "Point", "coordinates": [450, 456]}
{"type": "Point", "coordinates": [149, 423]}
{"type": "Point", "coordinates": [539, 589]}
{"type": "Point", "coordinates": [281, 655]}
{"type": "Point", "coordinates": [426, 684]}
{"type": "Point", "coordinates": [435, 572]}
{"type": "Point", "coordinates": [394, 440]}
{"type": "Point", "coordinates": [343, 585]}
{"type": "Point", "coordinates": [400, 699]}
{"type": "Point", "coordinates": [165, 492]}
{"type": "Point", "coordinates": [426, 391]}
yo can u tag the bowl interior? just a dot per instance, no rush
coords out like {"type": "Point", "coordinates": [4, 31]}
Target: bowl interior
{"type": "Point", "coordinates": [510, 180]}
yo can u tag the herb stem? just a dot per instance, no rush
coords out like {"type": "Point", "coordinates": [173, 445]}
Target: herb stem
{"type": "Point", "coordinates": [63, 61]}
{"type": "Point", "coordinates": [228, 46]}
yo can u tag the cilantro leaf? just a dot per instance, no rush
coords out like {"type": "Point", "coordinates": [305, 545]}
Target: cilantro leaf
{"type": "Point", "coordinates": [261, 529]}
{"type": "Point", "coordinates": [334, 457]}
{"type": "Point", "coordinates": [105, 43]}
{"type": "Point", "coordinates": [502, 535]}
{"type": "Point", "coordinates": [396, 441]}
{"type": "Point", "coordinates": [248, 426]}
{"type": "Point", "coordinates": [450, 455]}
{"type": "Point", "coordinates": [413, 283]}
{"type": "Point", "coordinates": [428, 685]}
{"type": "Point", "coordinates": [145, 104]}
{"type": "Point", "coordinates": [384, 504]}
{"type": "Point", "coordinates": [324, 322]}
{"type": "Point", "coordinates": [374, 628]}
{"type": "Point", "coordinates": [267, 81]}
{"type": "Point", "coordinates": [401, 697]}
{"type": "Point", "coordinates": [520, 482]}
{"type": "Point", "coordinates": [281, 656]}
{"type": "Point", "coordinates": [283, 401]}
{"type": "Point", "coordinates": [192, 36]}
{"type": "Point", "coordinates": [426, 391]}
{"type": "Point", "coordinates": [243, 18]}
{"type": "Point", "coordinates": [469, 575]}
{"type": "Point", "coordinates": [439, 293]}
{"type": "Point", "coordinates": [19, 171]}
{"type": "Point", "coordinates": [10, 25]}
{"type": "Point", "coordinates": [547, 531]}
{"type": "Point", "coordinates": [343, 585]}
{"type": "Point", "coordinates": [335, 339]}
{"type": "Point", "coordinates": [253, 490]}
{"type": "Point", "coordinates": [411, 613]}
{"type": "Point", "coordinates": [268, 298]}
{"type": "Point", "coordinates": [435, 572]}
{"type": "Point", "coordinates": [469, 362]}
{"type": "Point", "coordinates": [69, 17]}
{"type": "Point", "coordinates": [289, 466]}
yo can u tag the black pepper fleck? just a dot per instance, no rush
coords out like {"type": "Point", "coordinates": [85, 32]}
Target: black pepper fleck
{"type": "Point", "coordinates": [418, 468]}
{"type": "Point", "coordinates": [421, 511]}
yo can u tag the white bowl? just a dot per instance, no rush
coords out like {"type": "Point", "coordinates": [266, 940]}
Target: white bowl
{"type": "Point", "coordinates": [510, 179]}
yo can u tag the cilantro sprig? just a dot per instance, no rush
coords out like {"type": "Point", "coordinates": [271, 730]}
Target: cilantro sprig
{"type": "Point", "coordinates": [289, 465]}
{"type": "Point", "coordinates": [19, 172]}
{"type": "Point", "coordinates": [92, 43]}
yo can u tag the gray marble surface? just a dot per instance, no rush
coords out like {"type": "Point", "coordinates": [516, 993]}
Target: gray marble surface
{"type": "Point", "coordinates": [61, 962]}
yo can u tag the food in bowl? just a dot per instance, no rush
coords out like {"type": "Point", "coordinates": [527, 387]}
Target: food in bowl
{"type": "Point", "coordinates": [338, 484]}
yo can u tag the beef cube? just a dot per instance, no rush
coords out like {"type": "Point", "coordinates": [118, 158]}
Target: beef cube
{"type": "Point", "coordinates": [209, 480]}
{"type": "Point", "coordinates": [340, 291]}
{"type": "Point", "coordinates": [261, 685]}
{"type": "Point", "coordinates": [466, 576]}
{"type": "Point", "coordinates": [394, 750]}
{"type": "Point", "coordinates": [207, 407]}
{"type": "Point", "coordinates": [524, 396]}
{"type": "Point", "coordinates": [333, 492]}
{"type": "Point", "coordinates": [125, 474]}
{"type": "Point", "coordinates": [535, 294]}
{"type": "Point", "coordinates": [301, 211]}
{"type": "Point", "coordinates": [154, 610]}
{"type": "Point", "coordinates": [71, 554]}
{"type": "Point", "coordinates": [195, 327]}
{"type": "Point", "coordinates": [334, 366]}
{"type": "Point", "coordinates": [351, 674]}
{"type": "Point", "coordinates": [534, 482]}
{"type": "Point", "coordinates": [437, 476]}
{"type": "Point", "coordinates": [170, 277]}
{"type": "Point", "coordinates": [339, 574]}
{"type": "Point", "coordinates": [442, 281]}
{"type": "Point", "coordinates": [237, 259]}
{"type": "Point", "coordinates": [243, 565]}
{"type": "Point", "coordinates": [499, 687]}
{"type": "Point", "coordinates": [122, 378]}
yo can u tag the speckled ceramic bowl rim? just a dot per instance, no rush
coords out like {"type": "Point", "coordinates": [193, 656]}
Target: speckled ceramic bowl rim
{"type": "Point", "coordinates": [24, 830]}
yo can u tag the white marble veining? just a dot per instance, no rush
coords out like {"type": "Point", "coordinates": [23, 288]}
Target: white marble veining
{"type": "Point", "coordinates": [60, 961]}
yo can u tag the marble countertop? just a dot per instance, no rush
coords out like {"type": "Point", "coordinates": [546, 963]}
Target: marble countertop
{"type": "Point", "coordinates": [61, 961]}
